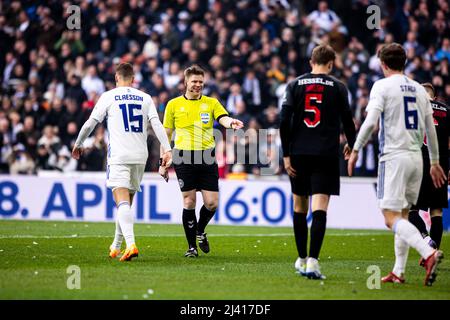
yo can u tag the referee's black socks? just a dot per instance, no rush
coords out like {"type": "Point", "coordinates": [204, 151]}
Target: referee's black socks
{"type": "Point", "coordinates": [418, 222]}
{"type": "Point", "coordinates": [190, 226]}
{"type": "Point", "coordinates": [318, 227]}
{"type": "Point", "coordinates": [301, 233]}
{"type": "Point", "coordinates": [205, 217]}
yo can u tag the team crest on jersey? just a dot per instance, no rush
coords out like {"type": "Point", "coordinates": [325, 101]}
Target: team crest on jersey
{"type": "Point", "coordinates": [205, 117]}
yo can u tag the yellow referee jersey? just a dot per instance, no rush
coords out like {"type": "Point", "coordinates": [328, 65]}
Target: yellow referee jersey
{"type": "Point", "coordinates": [193, 121]}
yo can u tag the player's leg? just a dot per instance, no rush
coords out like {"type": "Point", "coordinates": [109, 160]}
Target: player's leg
{"type": "Point", "coordinates": [424, 201]}
{"type": "Point", "coordinates": [190, 221]}
{"type": "Point", "coordinates": [400, 194]}
{"type": "Point", "coordinates": [437, 227]}
{"type": "Point", "coordinates": [126, 218]}
{"type": "Point", "coordinates": [325, 181]}
{"type": "Point", "coordinates": [417, 221]}
{"type": "Point", "coordinates": [301, 189]}
{"type": "Point", "coordinates": [301, 207]}
{"type": "Point", "coordinates": [118, 237]}
{"type": "Point", "coordinates": [118, 179]}
{"type": "Point", "coordinates": [210, 203]}
{"type": "Point", "coordinates": [126, 221]}
{"type": "Point", "coordinates": [319, 207]}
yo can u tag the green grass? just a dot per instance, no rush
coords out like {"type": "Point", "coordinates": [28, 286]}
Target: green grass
{"type": "Point", "coordinates": [244, 263]}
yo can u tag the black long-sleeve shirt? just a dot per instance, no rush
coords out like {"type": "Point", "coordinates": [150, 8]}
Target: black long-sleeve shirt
{"type": "Point", "coordinates": [313, 108]}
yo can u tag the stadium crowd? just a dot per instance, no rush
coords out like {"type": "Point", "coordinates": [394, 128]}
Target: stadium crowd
{"type": "Point", "coordinates": [51, 76]}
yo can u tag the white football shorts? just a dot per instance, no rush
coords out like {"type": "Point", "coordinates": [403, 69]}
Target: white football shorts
{"type": "Point", "coordinates": [399, 180]}
{"type": "Point", "coordinates": [125, 176]}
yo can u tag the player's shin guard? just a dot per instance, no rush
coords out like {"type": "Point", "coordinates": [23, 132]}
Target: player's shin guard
{"type": "Point", "coordinates": [401, 255]}
{"type": "Point", "coordinates": [409, 233]}
{"type": "Point", "coordinates": [318, 227]}
{"type": "Point", "coordinates": [190, 226]}
{"type": "Point", "coordinates": [126, 220]}
{"type": "Point", "coordinates": [205, 216]}
{"type": "Point", "coordinates": [301, 234]}
{"type": "Point", "coordinates": [436, 230]}
{"type": "Point", "coordinates": [418, 222]}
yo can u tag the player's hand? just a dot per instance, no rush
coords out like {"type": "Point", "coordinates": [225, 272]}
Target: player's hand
{"type": "Point", "coordinates": [437, 175]}
{"type": "Point", "coordinates": [236, 124]}
{"type": "Point", "coordinates": [164, 172]}
{"type": "Point", "coordinates": [287, 165]}
{"type": "Point", "coordinates": [166, 159]}
{"type": "Point", "coordinates": [448, 176]}
{"type": "Point", "coordinates": [352, 162]}
{"type": "Point", "coordinates": [347, 151]}
{"type": "Point", "coordinates": [77, 152]}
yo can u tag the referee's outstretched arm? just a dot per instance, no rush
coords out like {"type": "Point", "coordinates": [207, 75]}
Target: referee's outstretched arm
{"type": "Point", "coordinates": [231, 123]}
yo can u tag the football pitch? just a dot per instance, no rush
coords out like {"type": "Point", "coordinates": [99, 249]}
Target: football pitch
{"type": "Point", "coordinates": [244, 263]}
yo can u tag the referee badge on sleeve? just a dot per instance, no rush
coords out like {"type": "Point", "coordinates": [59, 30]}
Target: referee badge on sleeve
{"type": "Point", "coordinates": [204, 116]}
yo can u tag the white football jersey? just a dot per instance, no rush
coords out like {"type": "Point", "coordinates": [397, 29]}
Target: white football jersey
{"type": "Point", "coordinates": [404, 104]}
{"type": "Point", "coordinates": [128, 112]}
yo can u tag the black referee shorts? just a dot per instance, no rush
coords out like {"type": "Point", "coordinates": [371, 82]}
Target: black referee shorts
{"type": "Point", "coordinates": [195, 171]}
{"type": "Point", "coordinates": [429, 196]}
{"type": "Point", "coordinates": [315, 174]}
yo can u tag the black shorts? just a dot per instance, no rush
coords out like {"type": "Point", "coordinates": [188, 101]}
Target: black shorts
{"type": "Point", "coordinates": [429, 196]}
{"type": "Point", "coordinates": [193, 175]}
{"type": "Point", "coordinates": [315, 174]}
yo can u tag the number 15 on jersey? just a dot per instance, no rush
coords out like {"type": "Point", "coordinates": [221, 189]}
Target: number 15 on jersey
{"type": "Point", "coordinates": [130, 118]}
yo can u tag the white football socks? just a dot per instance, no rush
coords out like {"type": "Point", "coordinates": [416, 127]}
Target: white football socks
{"type": "Point", "coordinates": [409, 233]}
{"type": "Point", "coordinates": [118, 237]}
{"type": "Point", "coordinates": [126, 219]}
{"type": "Point", "coordinates": [401, 255]}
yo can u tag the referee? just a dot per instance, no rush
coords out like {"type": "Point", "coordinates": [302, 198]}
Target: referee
{"type": "Point", "coordinates": [192, 116]}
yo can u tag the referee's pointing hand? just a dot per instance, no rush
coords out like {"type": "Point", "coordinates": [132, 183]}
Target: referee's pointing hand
{"type": "Point", "coordinates": [236, 124]}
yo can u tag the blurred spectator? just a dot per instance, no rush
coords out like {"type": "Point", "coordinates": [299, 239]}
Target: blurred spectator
{"type": "Point", "coordinates": [91, 82]}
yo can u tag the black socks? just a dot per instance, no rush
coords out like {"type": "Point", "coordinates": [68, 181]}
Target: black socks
{"type": "Point", "coordinates": [418, 222]}
{"type": "Point", "coordinates": [205, 217]}
{"type": "Point", "coordinates": [190, 226]}
{"type": "Point", "coordinates": [301, 233]}
{"type": "Point", "coordinates": [436, 230]}
{"type": "Point", "coordinates": [318, 227]}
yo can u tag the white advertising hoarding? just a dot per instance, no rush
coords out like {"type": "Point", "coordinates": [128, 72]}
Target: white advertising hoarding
{"type": "Point", "coordinates": [257, 203]}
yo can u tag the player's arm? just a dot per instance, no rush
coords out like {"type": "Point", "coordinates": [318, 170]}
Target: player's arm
{"type": "Point", "coordinates": [347, 121]}
{"type": "Point", "coordinates": [166, 150]}
{"type": "Point", "coordinates": [437, 173]}
{"type": "Point", "coordinates": [85, 131]}
{"type": "Point", "coordinates": [287, 112]}
{"type": "Point", "coordinates": [160, 133]}
{"type": "Point", "coordinates": [97, 116]}
{"type": "Point", "coordinates": [374, 110]}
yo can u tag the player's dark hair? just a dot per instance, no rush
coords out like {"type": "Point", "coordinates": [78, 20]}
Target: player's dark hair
{"type": "Point", "coordinates": [194, 69]}
{"type": "Point", "coordinates": [430, 87]}
{"type": "Point", "coordinates": [125, 70]}
{"type": "Point", "coordinates": [323, 54]}
{"type": "Point", "coordinates": [393, 55]}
